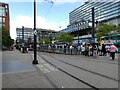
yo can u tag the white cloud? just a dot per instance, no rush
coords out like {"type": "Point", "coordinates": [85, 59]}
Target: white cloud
{"type": "Point", "coordinates": [57, 1]}
{"type": "Point", "coordinates": [28, 21]}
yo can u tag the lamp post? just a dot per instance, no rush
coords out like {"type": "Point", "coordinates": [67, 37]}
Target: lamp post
{"type": "Point", "coordinates": [22, 34]}
{"type": "Point", "coordinates": [35, 61]}
{"type": "Point", "coordinates": [78, 35]}
{"type": "Point", "coordinates": [93, 20]}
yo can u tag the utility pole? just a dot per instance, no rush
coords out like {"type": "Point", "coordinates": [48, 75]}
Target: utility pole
{"type": "Point", "coordinates": [23, 43]}
{"type": "Point", "coordinates": [78, 35]}
{"type": "Point", "coordinates": [93, 25]}
{"type": "Point", "coordinates": [35, 61]}
{"type": "Point", "coordinates": [22, 34]}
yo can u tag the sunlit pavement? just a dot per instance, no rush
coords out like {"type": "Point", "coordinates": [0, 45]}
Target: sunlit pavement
{"type": "Point", "coordinates": [18, 71]}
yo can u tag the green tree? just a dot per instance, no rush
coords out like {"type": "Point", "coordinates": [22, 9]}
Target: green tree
{"type": "Point", "coordinates": [65, 37]}
{"type": "Point", "coordinates": [44, 41]}
{"type": "Point", "coordinates": [6, 39]}
{"type": "Point", "coordinates": [105, 29]}
{"type": "Point", "coordinates": [118, 28]}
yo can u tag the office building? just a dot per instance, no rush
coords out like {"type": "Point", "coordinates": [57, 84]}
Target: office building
{"type": "Point", "coordinates": [46, 34]}
{"type": "Point", "coordinates": [4, 16]}
{"type": "Point", "coordinates": [23, 34]}
{"type": "Point", "coordinates": [80, 19]}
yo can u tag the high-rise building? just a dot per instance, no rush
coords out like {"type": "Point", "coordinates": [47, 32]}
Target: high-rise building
{"type": "Point", "coordinates": [4, 16]}
{"type": "Point", "coordinates": [80, 19]}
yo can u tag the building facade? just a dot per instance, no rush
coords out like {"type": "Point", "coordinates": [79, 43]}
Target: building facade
{"type": "Point", "coordinates": [80, 19]}
{"type": "Point", "coordinates": [46, 34]}
{"type": "Point", "coordinates": [25, 34]}
{"type": "Point", "coordinates": [4, 16]}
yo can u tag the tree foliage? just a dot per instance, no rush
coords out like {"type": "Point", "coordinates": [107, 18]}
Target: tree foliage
{"type": "Point", "coordinates": [118, 28]}
{"type": "Point", "coordinates": [6, 39]}
{"type": "Point", "coordinates": [45, 41]}
{"type": "Point", "coordinates": [105, 29]}
{"type": "Point", "coordinates": [65, 37]}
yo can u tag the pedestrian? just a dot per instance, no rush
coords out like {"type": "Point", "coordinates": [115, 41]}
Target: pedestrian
{"type": "Point", "coordinates": [113, 50]}
{"type": "Point", "coordinates": [94, 51]}
{"type": "Point", "coordinates": [71, 49]}
{"type": "Point", "coordinates": [79, 49]}
{"type": "Point", "coordinates": [86, 50]}
{"type": "Point", "coordinates": [103, 50]}
{"type": "Point", "coordinates": [83, 50]}
{"type": "Point", "coordinates": [107, 47]}
{"type": "Point", "coordinates": [100, 50]}
{"type": "Point", "coordinates": [65, 46]}
{"type": "Point", "coordinates": [90, 50]}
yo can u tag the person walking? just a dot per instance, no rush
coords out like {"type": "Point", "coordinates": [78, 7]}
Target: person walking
{"type": "Point", "coordinates": [113, 50]}
{"type": "Point", "coordinates": [107, 47]}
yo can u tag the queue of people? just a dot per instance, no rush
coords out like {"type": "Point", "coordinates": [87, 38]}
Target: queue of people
{"type": "Point", "coordinates": [93, 50]}
{"type": "Point", "coordinates": [84, 49]}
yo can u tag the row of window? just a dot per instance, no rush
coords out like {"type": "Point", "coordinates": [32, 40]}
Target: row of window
{"type": "Point", "coordinates": [103, 10]}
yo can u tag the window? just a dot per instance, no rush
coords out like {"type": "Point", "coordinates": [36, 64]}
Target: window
{"type": "Point", "coordinates": [2, 19]}
{"type": "Point", "coordinates": [2, 11]}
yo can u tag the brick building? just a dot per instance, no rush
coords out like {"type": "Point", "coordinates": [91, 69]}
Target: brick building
{"type": "Point", "coordinates": [4, 16]}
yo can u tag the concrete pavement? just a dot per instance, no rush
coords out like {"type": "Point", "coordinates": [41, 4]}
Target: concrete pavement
{"type": "Point", "coordinates": [18, 72]}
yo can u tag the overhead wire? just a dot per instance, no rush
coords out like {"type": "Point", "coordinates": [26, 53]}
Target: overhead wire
{"type": "Point", "coordinates": [52, 3]}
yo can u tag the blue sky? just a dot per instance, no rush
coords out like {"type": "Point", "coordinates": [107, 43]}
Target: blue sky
{"type": "Point", "coordinates": [48, 16]}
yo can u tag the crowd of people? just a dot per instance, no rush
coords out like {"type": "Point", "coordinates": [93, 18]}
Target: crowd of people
{"type": "Point", "coordinates": [92, 50]}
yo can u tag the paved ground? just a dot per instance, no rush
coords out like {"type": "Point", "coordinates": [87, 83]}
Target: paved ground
{"type": "Point", "coordinates": [106, 69]}
{"type": "Point", "coordinates": [18, 72]}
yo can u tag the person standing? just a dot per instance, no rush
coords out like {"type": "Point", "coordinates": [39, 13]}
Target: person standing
{"type": "Point", "coordinates": [94, 51]}
{"type": "Point", "coordinates": [103, 50]}
{"type": "Point", "coordinates": [113, 49]}
{"type": "Point", "coordinates": [86, 50]}
{"type": "Point", "coordinates": [71, 49]}
{"type": "Point", "coordinates": [83, 50]}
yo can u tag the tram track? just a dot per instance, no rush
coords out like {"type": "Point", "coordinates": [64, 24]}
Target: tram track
{"type": "Point", "coordinates": [90, 59]}
{"type": "Point", "coordinates": [86, 83]}
{"type": "Point", "coordinates": [84, 69]}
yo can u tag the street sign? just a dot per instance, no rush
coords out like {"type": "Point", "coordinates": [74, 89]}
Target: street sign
{"type": "Point", "coordinates": [35, 32]}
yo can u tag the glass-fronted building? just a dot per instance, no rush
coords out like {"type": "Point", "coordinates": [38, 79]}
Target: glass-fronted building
{"type": "Point", "coordinates": [4, 16]}
{"type": "Point", "coordinates": [80, 19]}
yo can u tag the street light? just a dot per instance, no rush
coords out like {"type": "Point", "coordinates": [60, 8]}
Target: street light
{"type": "Point", "coordinates": [93, 20]}
{"type": "Point", "coordinates": [22, 34]}
{"type": "Point", "coordinates": [35, 61]}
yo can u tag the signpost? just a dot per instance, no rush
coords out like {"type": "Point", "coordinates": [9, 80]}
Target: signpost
{"type": "Point", "coordinates": [35, 61]}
